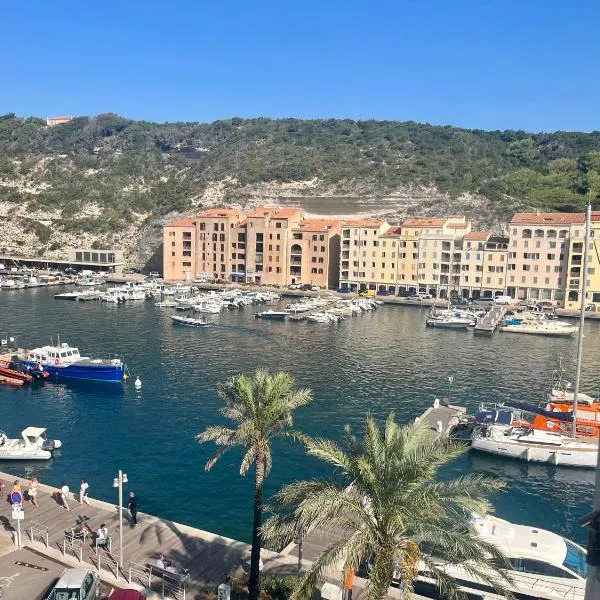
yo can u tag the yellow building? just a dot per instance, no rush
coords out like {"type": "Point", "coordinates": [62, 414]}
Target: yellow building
{"type": "Point", "coordinates": [483, 265]}
{"type": "Point", "coordinates": [179, 252]}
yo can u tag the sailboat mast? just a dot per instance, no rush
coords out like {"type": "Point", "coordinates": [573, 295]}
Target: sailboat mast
{"type": "Point", "coordinates": [586, 257]}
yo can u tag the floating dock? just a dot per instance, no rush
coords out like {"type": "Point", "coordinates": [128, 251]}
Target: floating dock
{"type": "Point", "coordinates": [490, 322]}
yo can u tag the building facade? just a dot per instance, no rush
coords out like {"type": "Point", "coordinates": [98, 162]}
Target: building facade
{"type": "Point", "coordinates": [179, 250]}
{"type": "Point", "coordinates": [541, 258]}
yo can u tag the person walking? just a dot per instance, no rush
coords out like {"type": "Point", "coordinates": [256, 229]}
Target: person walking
{"type": "Point", "coordinates": [33, 491]}
{"type": "Point", "coordinates": [16, 487]}
{"type": "Point", "coordinates": [64, 494]}
{"type": "Point", "coordinates": [83, 492]}
{"type": "Point", "coordinates": [132, 506]}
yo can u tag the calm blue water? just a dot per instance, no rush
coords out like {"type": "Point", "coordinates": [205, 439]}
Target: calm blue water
{"type": "Point", "coordinates": [376, 362]}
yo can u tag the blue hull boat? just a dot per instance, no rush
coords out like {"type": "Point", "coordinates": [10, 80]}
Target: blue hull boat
{"type": "Point", "coordinates": [65, 362]}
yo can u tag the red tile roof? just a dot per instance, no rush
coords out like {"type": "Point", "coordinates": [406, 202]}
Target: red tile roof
{"type": "Point", "coordinates": [221, 212]}
{"type": "Point", "coordinates": [456, 225]}
{"type": "Point", "coordinates": [424, 223]}
{"type": "Point", "coordinates": [262, 211]}
{"type": "Point", "coordinates": [551, 218]}
{"type": "Point", "coordinates": [392, 232]}
{"type": "Point", "coordinates": [284, 213]}
{"type": "Point", "coordinates": [181, 223]}
{"type": "Point", "coordinates": [363, 223]}
{"type": "Point", "coordinates": [478, 235]}
{"type": "Point", "coordinates": [319, 224]}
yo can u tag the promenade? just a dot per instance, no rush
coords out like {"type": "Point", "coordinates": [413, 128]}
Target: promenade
{"type": "Point", "coordinates": [209, 557]}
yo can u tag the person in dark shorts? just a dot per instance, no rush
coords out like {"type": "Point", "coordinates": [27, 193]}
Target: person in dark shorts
{"type": "Point", "coordinates": [132, 506]}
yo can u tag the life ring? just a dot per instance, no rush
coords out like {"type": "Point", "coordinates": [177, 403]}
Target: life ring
{"type": "Point", "coordinates": [57, 361]}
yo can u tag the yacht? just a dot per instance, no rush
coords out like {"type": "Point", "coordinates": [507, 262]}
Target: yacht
{"type": "Point", "coordinates": [33, 445]}
{"type": "Point", "coordinates": [544, 565]}
{"type": "Point", "coordinates": [449, 321]}
{"type": "Point", "coordinates": [539, 327]}
{"type": "Point", "coordinates": [66, 361]}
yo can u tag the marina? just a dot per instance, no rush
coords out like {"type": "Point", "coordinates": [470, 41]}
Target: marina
{"type": "Point", "coordinates": [385, 360]}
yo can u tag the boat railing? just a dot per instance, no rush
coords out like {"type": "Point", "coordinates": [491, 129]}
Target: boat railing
{"type": "Point", "coordinates": [562, 590]}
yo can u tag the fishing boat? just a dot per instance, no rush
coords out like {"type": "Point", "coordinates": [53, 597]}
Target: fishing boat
{"type": "Point", "coordinates": [190, 321]}
{"type": "Point", "coordinates": [64, 361]}
{"type": "Point", "coordinates": [274, 315]}
{"type": "Point", "coordinates": [32, 445]}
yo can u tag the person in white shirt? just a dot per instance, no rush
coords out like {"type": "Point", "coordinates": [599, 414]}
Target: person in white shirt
{"type": "Point", "coordinates": [102, 533]}
{"type": "Point", "coordinates": [83, 492]}
{"type": "Point", "coordinates": [160, 561]}
{"type": "Point", "coordinates": [64, 494]}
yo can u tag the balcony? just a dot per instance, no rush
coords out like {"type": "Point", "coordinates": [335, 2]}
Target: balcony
{"type": "Point", "coordinates": [443, 279]}
{"type": "Point", "coordinates": [345, 243]}
{"type": "Point", "coordinates": [575, 272]}
{"type": "Point", "coordinates": [445, 269]}
{"type": "Point", "coordinates": [346, 254]}
{"type": "Point", "coordinates": [295, 271]}
{"type": "Point", "coordinates": [296, 260]}
{"type": "Point", "coordinates": [259, 259]}
{"type": "Point", "coordinates": [345, 264]}
{"type": "Point", "coordinates": [446, 257]}
{"type": "Point", "coordinates": [576, 261]}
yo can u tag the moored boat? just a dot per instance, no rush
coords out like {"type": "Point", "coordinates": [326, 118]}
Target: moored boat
{"type": "Point", "coordinates": [64, 361]}
{"type": "Point", "coordinates": [190, 321]}
{"type": "Point", "coordinates": [33, 445]}
{"type": "Point", "coordinates": [275, 315]}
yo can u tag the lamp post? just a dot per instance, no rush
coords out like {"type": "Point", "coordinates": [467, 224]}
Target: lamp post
{"type": "Point", "coordinates": [450, 380]}
{"type": "Point", "coordinates": [118, 483]}
{"type": "Point", "coordinates": [298, 541]}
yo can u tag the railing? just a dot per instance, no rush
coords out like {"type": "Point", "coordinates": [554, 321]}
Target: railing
{"type": "Point", "coordinates": [72, 545]}
{"type": "Point", "coordinates": [37, 530]}
{"type": "Point", "coordinates": [110, 563]}
{"type": "Point", "coordinates": [140, 574]}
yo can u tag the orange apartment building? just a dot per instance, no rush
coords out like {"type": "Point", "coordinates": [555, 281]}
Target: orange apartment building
{"type": "Point", "coordinates": [270, 245]}
{"type": "Point", "coordinates": [179, 252]}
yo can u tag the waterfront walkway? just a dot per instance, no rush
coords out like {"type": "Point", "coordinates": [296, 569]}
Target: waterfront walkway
{"type": "Point", "coordinates": [209, 557]}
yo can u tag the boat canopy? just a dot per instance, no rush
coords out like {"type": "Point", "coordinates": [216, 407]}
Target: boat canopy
{"type": "Point", "coordinates": [532, 408]}
{"type": "Point", "coordinates": [34, 431]}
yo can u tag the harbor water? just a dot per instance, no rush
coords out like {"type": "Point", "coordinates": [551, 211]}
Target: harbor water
{"type": "Point", "coordinates": [374, 362]}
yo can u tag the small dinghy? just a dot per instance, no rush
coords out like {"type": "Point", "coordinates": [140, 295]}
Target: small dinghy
{"type": "Point", "coordinates": [190, 321]}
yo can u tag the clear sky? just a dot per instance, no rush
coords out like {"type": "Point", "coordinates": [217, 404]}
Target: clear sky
{"type": "Point", "coordinates": [491, 64]}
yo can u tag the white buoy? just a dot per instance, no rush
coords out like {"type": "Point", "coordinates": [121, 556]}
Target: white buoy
{"type": "Point", "coordinates": [138, 383]}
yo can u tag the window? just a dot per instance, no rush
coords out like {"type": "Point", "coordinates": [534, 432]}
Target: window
{"type": "Point", "coordinates": [551, 256]}
{"type": "Point", "coordinates": [187, 264]}
{"type": "Point", "coordinates": [278, 225]}
{"type": "Point", "coordinates": [539, 567]}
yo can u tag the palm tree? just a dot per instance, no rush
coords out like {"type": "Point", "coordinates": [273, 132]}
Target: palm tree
{"type": "Point", "coordinates": [261, 408]}
{"type": "Point", "coordinates": [390, 510]}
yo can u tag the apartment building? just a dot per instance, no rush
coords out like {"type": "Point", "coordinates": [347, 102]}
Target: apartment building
{"type": "Point", "coordinates": [220, 242]}
{"type": "Point", "coordinates": [314, 253]}
{"type": "Point", "coordinates": [483, 266]}
{"type": "Point", "coordinates": [363, 255]}
{"type": "Point", "coordinates": [179, 251]}
{"type": "Point", "coordinates": [574, 273]}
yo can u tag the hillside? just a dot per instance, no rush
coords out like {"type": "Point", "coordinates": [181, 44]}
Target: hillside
{"type": "Point", "coordinates": [107, 180]}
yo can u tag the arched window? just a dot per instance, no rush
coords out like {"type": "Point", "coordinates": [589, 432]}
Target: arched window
{"type": "Point", "coordinates": [551, 233]}
{"type": "Point", "coordinates": [296, 249]}
{"type": "Point", "coordinates": [562, 233]}
{"type": "Point", "coordinates": [526, 233]}
{"type": "Point", "coordinates": [539, 233]}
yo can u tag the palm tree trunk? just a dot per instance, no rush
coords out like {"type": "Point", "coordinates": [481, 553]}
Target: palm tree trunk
{"type": "Point", "coordinates": [254, 581]}
{"type": "Point", "coordinates": [381, 575]}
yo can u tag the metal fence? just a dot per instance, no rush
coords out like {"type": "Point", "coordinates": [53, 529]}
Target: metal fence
{"type": "Point", "coordinates": [39, 531]}
{"type": "Point", "coordinates": [72, 545]}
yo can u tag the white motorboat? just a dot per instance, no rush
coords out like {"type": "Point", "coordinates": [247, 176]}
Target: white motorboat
{"type": "Point", "coordinates": [166, 304]}
{"type": "Point", "coordinates": [554, 329]}
{"type": "Point", "coordinates": [33, 445]}
{"type": "Point", "coordinates": [208, 306]}
{"type": "Point", "coordinates": [190, 321]}
{"type": "Point", "coordinates": [68, 295]}
{"type": "Point", "coordinates": [544, 565]}
{"type": "Point", "coordinates": [274, 315]}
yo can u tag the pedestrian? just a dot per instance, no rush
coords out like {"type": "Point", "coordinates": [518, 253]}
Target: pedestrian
{"type": "Point", "coordinates": [348, 584]}
{"type": "Point", "coordinates": [33, 491]}
{"type": "Point", "coordinates": [132, 506]}
{"type": "Point", "coordinates": [64, 494]}
{"type": "Point", "coordinates": [83, 492]}
{"type": "Point", "coordinates": [1, 488]}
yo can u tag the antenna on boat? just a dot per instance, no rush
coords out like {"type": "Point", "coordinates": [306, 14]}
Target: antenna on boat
{"type": "Point", "coordinates": [586, 258]}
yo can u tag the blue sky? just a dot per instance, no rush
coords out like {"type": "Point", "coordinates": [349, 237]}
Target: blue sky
{"type": "Point", "coordinates": [486, 64]}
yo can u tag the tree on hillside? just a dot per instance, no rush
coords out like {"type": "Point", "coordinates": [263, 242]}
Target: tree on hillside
{"type": "Point", "coordinates": [261, 408]}
{"type": "Point", "coordinates": [396, 513]}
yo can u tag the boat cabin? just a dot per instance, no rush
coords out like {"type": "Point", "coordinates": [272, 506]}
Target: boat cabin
{"type": "Point", "coordinates": [54, 354]}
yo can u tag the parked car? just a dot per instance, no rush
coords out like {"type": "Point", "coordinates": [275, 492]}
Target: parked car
{"type": "Point", "coordinates": [294, 286]}
{"type": "Point", "coordinates": [420, 296]}
{"type": "Point", "coordinates": [76, 584]}
{"type": "Point", "coordinates": [129, 594]}
{"type": "Point", "coordinates": [154, 274]}
{"type": "Point", "coordinates": [367, 293]}
{"type": "Point", "coordinates": [314, 288]}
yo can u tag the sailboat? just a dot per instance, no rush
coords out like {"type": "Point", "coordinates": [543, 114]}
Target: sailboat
{"type": "Point", "coordinates": [561, 446]}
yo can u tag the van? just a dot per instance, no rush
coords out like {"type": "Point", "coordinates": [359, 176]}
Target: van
{"type": "Point", "coordinates": [503, 300]}
{"type": "Point", "coordinates": [76, 584]}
